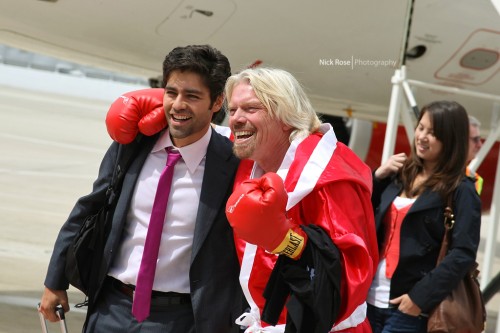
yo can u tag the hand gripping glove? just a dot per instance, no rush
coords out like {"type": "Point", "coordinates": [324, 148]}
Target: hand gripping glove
{"type": "Point", "coordinates": [134, 112]}
{"type": "Point", "coordinates": [257, 212]}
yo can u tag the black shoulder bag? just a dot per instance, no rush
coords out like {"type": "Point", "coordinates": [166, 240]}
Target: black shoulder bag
{"type": "Point", "coordinates": [84, 255]}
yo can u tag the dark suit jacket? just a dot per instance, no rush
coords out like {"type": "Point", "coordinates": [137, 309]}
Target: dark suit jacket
{"type": "Point", "coordinates": [421, 237]}
{"type": "Point", "coordinates": [216, 295]}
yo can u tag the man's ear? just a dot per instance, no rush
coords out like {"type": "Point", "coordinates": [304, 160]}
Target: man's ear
{"type": "Point", "coordinates": [218, 103]}
{"type": "Point", "coordinates": [286, 128]}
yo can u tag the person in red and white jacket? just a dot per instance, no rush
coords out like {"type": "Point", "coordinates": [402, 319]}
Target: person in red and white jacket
{"type": "Point", "coordinates": [300, 211]}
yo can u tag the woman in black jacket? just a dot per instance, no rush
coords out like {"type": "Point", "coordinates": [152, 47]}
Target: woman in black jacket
{"type": "Point", "coordinates": [409, 197]}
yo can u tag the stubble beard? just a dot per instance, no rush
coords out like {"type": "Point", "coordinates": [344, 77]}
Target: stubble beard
{"type": "Point", "coordinates": [179, 134]}
{"type": "Point", "coordinates": [244, 151]}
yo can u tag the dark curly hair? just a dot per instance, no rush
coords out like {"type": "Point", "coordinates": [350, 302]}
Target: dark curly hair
{"type": "Point", "coordinates": [204, 60]}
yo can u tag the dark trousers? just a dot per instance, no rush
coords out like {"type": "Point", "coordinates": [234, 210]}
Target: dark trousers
{"type": "Point", "coordinates": [391, 320]}
{"type": "Point", "coordinates": [113, 313]}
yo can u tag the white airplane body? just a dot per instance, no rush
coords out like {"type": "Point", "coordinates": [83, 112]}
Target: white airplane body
{"type": "Point", "coordinates": [343, 52]}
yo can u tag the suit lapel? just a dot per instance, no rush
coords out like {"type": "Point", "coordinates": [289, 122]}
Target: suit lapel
{"type": "Point", "coordinates": [132, 174]}
{"type": "Point", "coordinates": [386, 200]}
{"type": "Point", "coordinates": [127, 190]}
{"type": "Point", "coordinates": [426, 200]}
{"type": "Point", "coordinates": [220, 167]}
{"type": "Point", "coordinates": [122, 206]}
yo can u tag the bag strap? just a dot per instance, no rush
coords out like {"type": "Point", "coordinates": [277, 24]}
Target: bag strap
{"type": "Point", "coordinates": [449, 221]}
{"type": "Point", "coordinates": [126, 154]}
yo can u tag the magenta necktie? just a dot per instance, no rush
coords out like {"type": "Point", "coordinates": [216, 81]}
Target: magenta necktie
{"type": "Point", "coordinates": [142, 295]}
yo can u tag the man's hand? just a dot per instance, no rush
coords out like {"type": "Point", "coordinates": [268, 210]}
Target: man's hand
{"type": "Point", "coordinates": [257, 212]}
{"type": "Point", "coordinates": [50, 300]}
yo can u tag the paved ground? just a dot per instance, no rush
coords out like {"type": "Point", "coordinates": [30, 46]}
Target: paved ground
{"type": "Point", "coordinates": [51, 148]}
{"type": "Point", "coordinates": [50, 152]}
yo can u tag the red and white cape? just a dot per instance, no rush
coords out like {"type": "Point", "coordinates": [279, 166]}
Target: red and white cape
{"type": "Point", "coordinates": [327, 185]}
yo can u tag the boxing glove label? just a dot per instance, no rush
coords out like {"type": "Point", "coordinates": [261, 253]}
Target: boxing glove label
{"type": "Point", "coordinates": [292, 245]}
{"type": "Point", "coordinates": [230, 209]}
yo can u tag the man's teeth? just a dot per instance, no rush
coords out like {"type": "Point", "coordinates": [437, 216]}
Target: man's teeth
{"type": "Point", "coordinates": [243, 134]}
{"type": "Point", "coordinates": [179, 117]}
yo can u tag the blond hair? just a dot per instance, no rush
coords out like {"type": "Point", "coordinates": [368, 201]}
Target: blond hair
{"type": "Point", "coordinates": [282, 96]}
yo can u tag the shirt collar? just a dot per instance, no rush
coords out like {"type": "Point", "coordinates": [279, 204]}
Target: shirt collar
{"type": "Point", "coordinates": [192, 154]}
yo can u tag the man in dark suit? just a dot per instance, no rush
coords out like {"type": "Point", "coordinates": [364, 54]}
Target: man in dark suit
{"type": "Point", "coordinates": [195, 286]}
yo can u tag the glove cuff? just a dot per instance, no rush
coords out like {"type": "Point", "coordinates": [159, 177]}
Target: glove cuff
{"type": "Point", "coordinates": [292, 245]}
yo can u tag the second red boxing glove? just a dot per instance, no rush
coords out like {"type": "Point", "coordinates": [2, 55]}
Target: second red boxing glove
{"type": "Point", "coordinates": [257, 212]}
{"type": "Point", "coordinates": [134, 112]}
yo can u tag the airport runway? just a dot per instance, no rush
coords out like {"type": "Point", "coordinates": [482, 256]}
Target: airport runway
{"type": "Point", "coordinates": [51, 147]}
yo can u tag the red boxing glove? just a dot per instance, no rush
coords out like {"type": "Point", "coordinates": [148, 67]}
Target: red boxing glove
{"type": "Point", "coordinates": [134, 112]}
{"type": "Point", "coordinates": [257, 212]}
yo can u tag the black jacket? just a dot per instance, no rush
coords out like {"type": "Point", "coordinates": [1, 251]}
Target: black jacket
{"type": "Point", "coordinates": [422, 232]}
{"type": "Point", "coordinates": [216, 295]}
{"type": "Point", "coordinates": [312, 282]}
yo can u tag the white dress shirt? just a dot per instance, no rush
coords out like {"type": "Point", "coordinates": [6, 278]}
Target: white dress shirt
{"type": "Point", "coordinates": [172, 268]}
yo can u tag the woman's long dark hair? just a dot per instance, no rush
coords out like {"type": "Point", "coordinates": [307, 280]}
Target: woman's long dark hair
{"type": "Point", "coordinates": [450, 124]}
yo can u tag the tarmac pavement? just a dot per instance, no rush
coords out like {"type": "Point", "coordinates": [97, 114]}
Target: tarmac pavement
{"type": "Point", "coordinates": [51, 147]}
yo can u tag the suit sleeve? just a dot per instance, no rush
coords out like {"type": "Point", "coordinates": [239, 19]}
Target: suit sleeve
{"type": "Point", "coordinates": [85, 206]}
{"type": "Point", "coordinates": [344, 210]}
